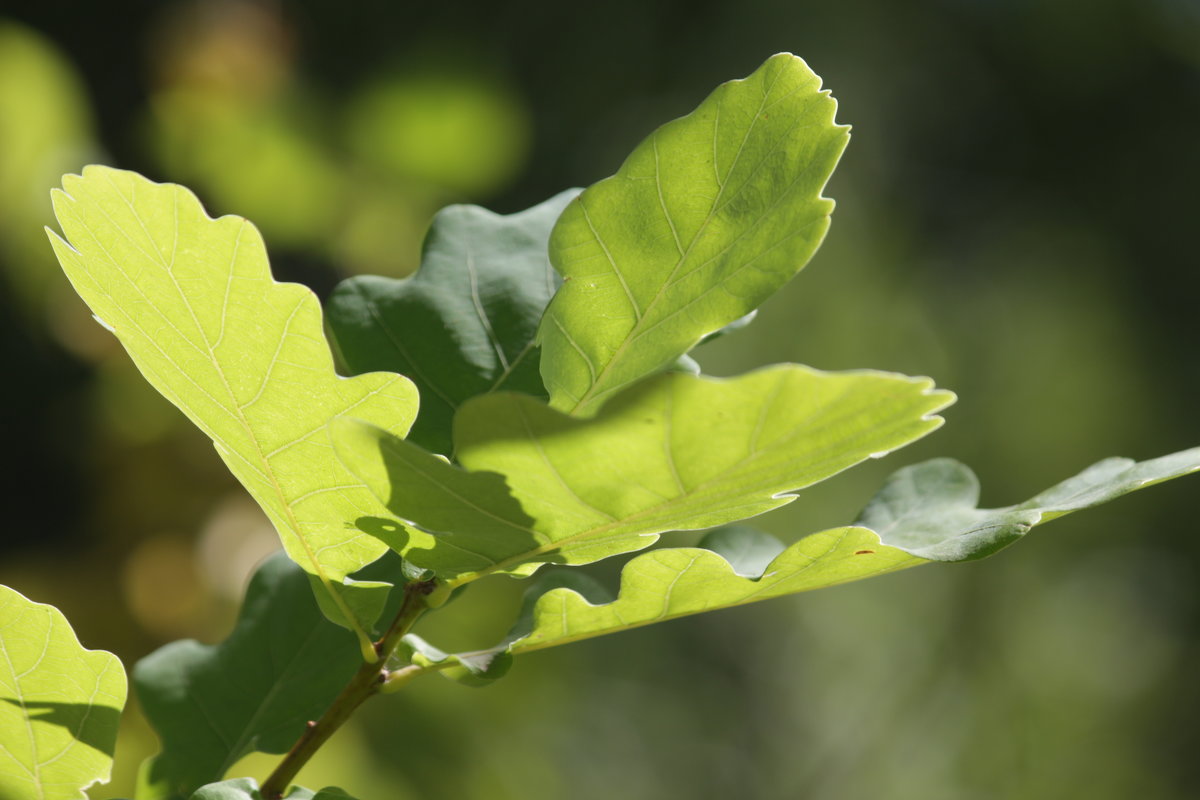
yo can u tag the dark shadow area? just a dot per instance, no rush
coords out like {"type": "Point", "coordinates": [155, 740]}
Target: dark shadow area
{"type": "Point", "coordinates": [473, 515]}
{"type": "Point", "coordinates": [388, 531]}
{"type": "Point", "coordinates": [93, 725]}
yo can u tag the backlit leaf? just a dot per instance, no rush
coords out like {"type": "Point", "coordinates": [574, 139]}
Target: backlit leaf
{"type": "Point", "coordinates": [465, 323]}
{"type": "Point", "coordinates": [705, 220]}
{"type": "Point", "coordinates": [925, 512]}
{"type": "Point", "coordinates": [676, 452]}
{"type": "Point", "coordinates": [245, 358]}
{"type": "Point", "coordinates": [59, 704]}
{"type": "Point", "coordinates": [674, 582]}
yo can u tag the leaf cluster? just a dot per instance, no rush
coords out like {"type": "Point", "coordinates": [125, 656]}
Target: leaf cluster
{"type": "Point", "coordinates": [524, 405]}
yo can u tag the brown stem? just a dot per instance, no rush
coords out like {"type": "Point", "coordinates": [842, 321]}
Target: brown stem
{"type": "Point", "coordinates": [366, 682]}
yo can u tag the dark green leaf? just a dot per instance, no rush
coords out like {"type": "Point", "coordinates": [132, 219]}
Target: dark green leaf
{"type": "Point", "coordinates": [236, 789]}
{"type": "Point", "coordinates": [930, 509]}
{"type": "Point", "coordinates": [247, 789]}
{"type": "Point", "coordinates": [748, 550]}
{"type": "Point", "coordinates": [465, 323]}
{"type": "Point", "coordinates": [281, 667]}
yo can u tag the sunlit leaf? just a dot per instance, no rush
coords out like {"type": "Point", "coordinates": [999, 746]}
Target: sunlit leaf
{"type": "Point", "coordinates": [59, 704]}
{"type": "Point", "coordinates": [464, 324]}
{"type": "Point", "coordinates": [674, 582]}
{"type": "Point", "coordinates": [192, 300]}
{"type": "Point", "coordinates": [676, 452]}
{"type": "Point", "coordinates": [706, 219]}
{"type": "Point", "coordinates": [923, 513]}
{"type": "Point", "coordinates": [289, 662]}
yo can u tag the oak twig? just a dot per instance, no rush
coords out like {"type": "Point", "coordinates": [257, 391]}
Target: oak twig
{"type": "Point", "coordinates": [369, 679]}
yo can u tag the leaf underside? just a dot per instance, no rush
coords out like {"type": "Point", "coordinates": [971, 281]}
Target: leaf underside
{"type": "Point", "coordinates": [675, 452]}
{"type": "Point", "coordinates": [469, 669]}
{"type": "Point", "coordinates": [930, 509]}
{"type": "Point", "coordinates": [923, 513]}
{"type": "Point", "coordinates": [192, 300]}
{"type": "Point", "coordinates": [59, 704]}
{"type": "Point", "coordinates": [465, 324]}
{"type": "Point", "coordinates": [289, 662]}
{"type": "Point", "coordinates": [247, 789]}
{"type": "Point", "coordinates": [708, 217]}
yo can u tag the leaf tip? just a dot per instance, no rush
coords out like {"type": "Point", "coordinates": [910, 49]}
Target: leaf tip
{"type": "Point", "coordinates": [943, 397]}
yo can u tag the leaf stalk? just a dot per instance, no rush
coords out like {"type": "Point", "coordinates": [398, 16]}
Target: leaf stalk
{"type": "Point", "coordinates": [369, 680]}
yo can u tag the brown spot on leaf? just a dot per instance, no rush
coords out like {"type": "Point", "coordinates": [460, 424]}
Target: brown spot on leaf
{"type": "Point", "coordinates": [863, 552]}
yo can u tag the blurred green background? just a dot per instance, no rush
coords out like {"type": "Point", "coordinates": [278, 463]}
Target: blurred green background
{"type": "Point", "coordinates": [1016, 218]}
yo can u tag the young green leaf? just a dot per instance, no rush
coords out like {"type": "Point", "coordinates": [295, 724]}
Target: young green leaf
{"type": "Point", "coordinates": [59, 704]}
{"type": "Point", "coordinates": [923, 513]}
{"type": "Point", "coordinates": [705, 220]}
{"type": "Point", "coordinates": [192, 300]}
{"type": "Point", "coordinates": [465, 323]}
{"type": "Point", "coordinates": [674, 582]}
{"type": "Point", "coordinates": [726, 570]}
{"type": "Point", "coordinates": [676, 452]}
{"type": "Point", "coordinates": [289, 662]}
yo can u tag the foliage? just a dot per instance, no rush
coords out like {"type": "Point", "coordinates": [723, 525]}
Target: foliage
{"type": "Point", "coordinates": [456, 344]}
{"type": "Point", "coordinates": [60, 704]}
{"type": "Point", "coordinates": [562, 424]}
{"type": "Point", "coordinates": [290, 669]}
{"type": "Point", "coordinates": [703, 222]}
{"type": "Point", "coordinates": [193, 302]}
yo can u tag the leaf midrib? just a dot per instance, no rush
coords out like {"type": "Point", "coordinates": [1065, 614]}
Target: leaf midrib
{"type": "Point", "coordinates": [652, 511]}
{"type": "Point", "coordinates": [237, 410]}
{"type": "Point", "coordinates": [244, 739]}
{"type": "Point", "coordinates": [36, 772]}
{"type": "Point", "coordinates": [641, 316]}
